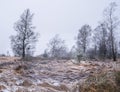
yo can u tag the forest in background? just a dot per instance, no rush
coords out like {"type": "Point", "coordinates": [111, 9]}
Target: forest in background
{"type": "Point", "coordinates": [95, 44]}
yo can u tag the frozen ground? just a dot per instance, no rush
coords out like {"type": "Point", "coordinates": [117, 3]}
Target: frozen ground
{"type": "Point", "coordinates": [47, 75]}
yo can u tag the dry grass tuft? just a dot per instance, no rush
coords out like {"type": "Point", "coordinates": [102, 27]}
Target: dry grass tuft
{"type": "Point", "coordinates": [102, 83]}
{"type": "Point", "coordinates": [20, 69]}
{"type": "Point", "coordinates": [59, 88]}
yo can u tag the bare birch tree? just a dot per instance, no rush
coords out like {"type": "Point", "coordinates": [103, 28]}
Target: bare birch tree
{"type": "Point", "coordinates": [23, 43]}
{"type": "Point", "coordinates": [112, 24]}
{"type": "Point", "coordinates": [57, 47]}
{"type": "Point", "coordinates": [82, 38]}
{"type": "Point", "coordinates": [100, 40]}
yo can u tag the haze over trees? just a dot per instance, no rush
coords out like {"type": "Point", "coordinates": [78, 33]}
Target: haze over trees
{"type": "Point", "coordinates": [104, 40]}
{"type": "Point", "coordinates": [23, 43]}
{"type": "Point", "coordinates": [112, 23]}
{"type": "Point", "coordinates": [87, 66]}
{"type": "Point", "coordinates": [83, 39]}
{"type": "Point", "coordinates": [57, 47]}
{"type": "Point", "coordinates": [100, 39]}
{"type": "Point", "coordinates": [99, 43]}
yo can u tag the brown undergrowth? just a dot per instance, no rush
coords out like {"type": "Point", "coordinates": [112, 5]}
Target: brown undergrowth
{"type": "Point", "coordinates": [104, 82]}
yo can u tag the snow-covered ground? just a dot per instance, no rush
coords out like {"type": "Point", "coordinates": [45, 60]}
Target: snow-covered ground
{"type": "Point", "coordinates": [47, 75]}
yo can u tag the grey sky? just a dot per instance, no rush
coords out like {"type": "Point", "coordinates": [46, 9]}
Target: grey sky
{"type": "Point", "coordinates": [64, 17]}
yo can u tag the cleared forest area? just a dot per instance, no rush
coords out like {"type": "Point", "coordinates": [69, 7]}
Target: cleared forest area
{"type": "Point", "coordinates": [58, 76]}
{"type": "Point", "coordinates": [35, 58]}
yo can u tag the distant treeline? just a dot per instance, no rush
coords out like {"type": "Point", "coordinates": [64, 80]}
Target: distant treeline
{"type": "Point", "coordinates": [99, 43]}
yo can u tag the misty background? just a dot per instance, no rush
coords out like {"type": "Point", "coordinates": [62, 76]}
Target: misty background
{"type": "Point", "coordinates": [63, 17]}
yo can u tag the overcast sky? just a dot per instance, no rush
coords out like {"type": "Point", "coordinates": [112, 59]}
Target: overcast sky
{"type": "Point", "coordinates": [64, 17]}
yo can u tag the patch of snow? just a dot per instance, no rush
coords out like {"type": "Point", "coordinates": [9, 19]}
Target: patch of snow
{"type": "Point", "coordinates": [18, 82]}
{"type": "Point", "coordinates": [5, 90]}
{"type": "Point", "coordinates": [38, 81]}
{"type": "Point", "coordinates": [74, 61]}
{"type": "Point", "coordinates": [56, 84]}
